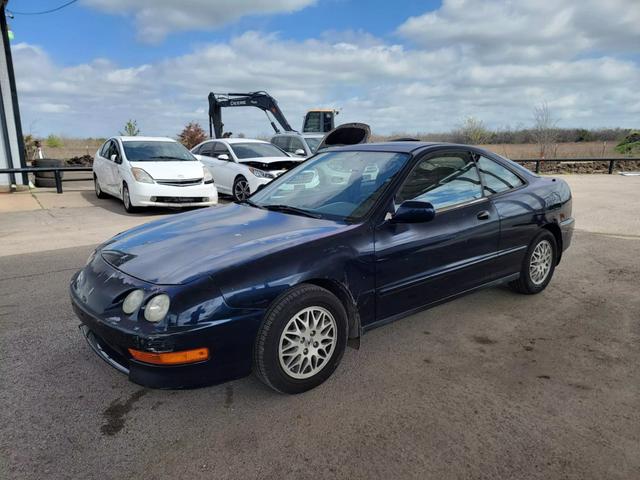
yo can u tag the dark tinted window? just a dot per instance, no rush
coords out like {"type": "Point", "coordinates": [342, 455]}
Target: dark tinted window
{"type": "Point", "coordinates": [444, 181]}
{"type": "Point", "coordinates": [496, 177]}
{"type": "Point", "coordinates": [220, 148]}
{"type": "Point", "coordinates": [206, 149]}
{"type": "Point", "coordinates": [256, 150]}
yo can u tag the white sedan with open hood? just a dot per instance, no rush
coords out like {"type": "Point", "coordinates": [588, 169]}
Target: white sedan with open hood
{"type": "Point", "coordinates": [241, 166]}
{"type": "Point", "coordinates": [152, 172]}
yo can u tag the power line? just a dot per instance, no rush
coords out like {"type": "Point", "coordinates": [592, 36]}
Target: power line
{"type": "Point", "coordinates": [43, 11]}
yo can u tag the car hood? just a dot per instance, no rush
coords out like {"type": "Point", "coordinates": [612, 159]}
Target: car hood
{"type": "Point", "coordinates": [189, 245]}
{"type": "Point", "coordinates": [171, 170]}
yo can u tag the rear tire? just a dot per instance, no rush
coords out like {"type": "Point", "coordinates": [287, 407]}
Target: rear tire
{"type": "Point", "coordinates": [538, 265]}
{"type": "Point", "coordinates": [126, 200]}
{"type": "Point", "coordinates": [96, 186]}
{"type": "Point", "coordinates": [301, 340]}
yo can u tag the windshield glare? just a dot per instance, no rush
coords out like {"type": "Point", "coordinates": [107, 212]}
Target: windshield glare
{"type": "Point", "coordinates": [256, 150]}
{"type": "Point", "coordinates": [141, 151]}
{"type": "Point", "coordinates": [339, 185]}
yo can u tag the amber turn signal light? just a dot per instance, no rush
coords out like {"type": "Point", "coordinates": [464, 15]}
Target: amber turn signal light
{"type": "Point", "coordinates": [171, 358]}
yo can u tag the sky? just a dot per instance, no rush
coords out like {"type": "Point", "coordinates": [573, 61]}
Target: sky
{"type": "Point", "coordinates": [402, 67]}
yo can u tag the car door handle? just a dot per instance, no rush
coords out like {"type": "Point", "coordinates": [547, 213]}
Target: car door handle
{"type": "Point", "coordinates": [483, 215]}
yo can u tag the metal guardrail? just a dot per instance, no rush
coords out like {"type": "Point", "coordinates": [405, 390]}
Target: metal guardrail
{"type": "Point", "coordinates": [58, 178]}
{"type": "Point", "coordinates": [56, 173]}
{"type": "Point", "coordinates": [611, 161]}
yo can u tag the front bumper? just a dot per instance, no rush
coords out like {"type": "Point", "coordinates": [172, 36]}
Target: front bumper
{"type": "Point", "coordinates": [228, 333]}
{"type": "Point", "coordinates": [566, 229]}
{"type": "Point", "coordinates": [154, 195]}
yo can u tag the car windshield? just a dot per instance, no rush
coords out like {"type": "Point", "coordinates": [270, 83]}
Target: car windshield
{"type": "Point", "coordinates": [313, 142]}
{"type": "Point", "coordinates": [341, 185]}
{"type": "Point", "coordinates": [142, 151]}
{"type": "Point", "coordinates": [256, 150]}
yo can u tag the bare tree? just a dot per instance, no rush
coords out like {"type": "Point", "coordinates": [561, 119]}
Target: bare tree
{"type": "Point", "coordinates": [473, 131]}
{"type": "Point", "coordinates": [545, 133]}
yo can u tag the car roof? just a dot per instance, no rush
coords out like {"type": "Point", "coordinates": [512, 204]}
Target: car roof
{"type": "Point", "coordinates": [231, 141]}
{"type": "Point", "coordinates": [399, 147]}
{"type": "Point", "coordinates": [124, 138]}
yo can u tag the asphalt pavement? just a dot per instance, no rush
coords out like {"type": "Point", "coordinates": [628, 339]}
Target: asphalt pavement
{"type": "Point", "coordinates": [492, 385]}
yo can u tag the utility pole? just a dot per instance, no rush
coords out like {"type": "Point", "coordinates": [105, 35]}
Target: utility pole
{"type": "Point", "coordinates": [9, 108]}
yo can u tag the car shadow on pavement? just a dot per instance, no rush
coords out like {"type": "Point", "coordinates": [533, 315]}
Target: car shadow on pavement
{"type": "Point", "coordinates": [115, 205]}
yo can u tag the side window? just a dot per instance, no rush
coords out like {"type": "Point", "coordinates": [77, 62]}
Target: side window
{"type": "Point", "coordinates": [113, 150]}
{"type": "Point", "coordinates": [446, 180]}
{"type": "Point", "coordinates": [279, 142]}
{"type": "Point", "coordinates": [206, 149]}
{"type": "Point", "coordinates": [496, 177]}
{"type": "Point", "coordinates": [296, 144]}
{"type": "Point", "coordinates": [105, 148]}
{"type": "Point", "coordinates": [220, 148]}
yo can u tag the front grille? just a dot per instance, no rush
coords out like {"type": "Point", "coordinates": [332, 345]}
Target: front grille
{"type": "Point", "coordinates": [181, 182]}
{"type": "Point", "coordinates": [179, 199]}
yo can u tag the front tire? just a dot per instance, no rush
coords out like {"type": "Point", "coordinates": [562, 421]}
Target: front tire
{"type": "Point", "coordinates": [126, 200]}
{"type": "Point", "coordinates": [301, 340]}
{"type": "Point", "coordinates": [241, 189]}
{"type": "Point", "coordinates": [538, 265]}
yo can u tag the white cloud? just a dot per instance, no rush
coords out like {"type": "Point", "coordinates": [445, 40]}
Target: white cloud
{"type": "Point", "coordinates": [390, 86]}
{"type": "Point", "coordinates": [526, 30]}
{"type": "Point", "coordinates": [157, 18]}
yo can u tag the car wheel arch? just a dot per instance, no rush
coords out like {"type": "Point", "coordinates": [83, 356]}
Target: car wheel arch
{"type": "Point", "coordinates": [554, 228]}
{"type": "Point", "coordinates": [344, 295]}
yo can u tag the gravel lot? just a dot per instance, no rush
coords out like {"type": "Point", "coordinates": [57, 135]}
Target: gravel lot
{"type": "Point", "coordinates": [493, 385]}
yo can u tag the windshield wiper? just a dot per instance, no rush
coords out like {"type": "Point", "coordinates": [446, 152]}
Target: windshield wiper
{"type": "Point", "coordinates": [247, 201]}
{"type": "Point", "coordinates": [166, 157]}
{"type": "Point", "coordinates": [294, 210]}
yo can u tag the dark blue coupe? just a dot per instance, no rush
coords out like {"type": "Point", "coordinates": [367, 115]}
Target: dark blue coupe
{"type": "Point", "coordinates": [353, 238]}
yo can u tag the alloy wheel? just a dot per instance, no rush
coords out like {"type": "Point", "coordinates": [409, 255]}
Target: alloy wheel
{"type": "Point", "coordinates": [241, 189]}
{"type": "Point", "coordinates": [307, 342]}
{"type": "Point", "coordinates": [540, 262]}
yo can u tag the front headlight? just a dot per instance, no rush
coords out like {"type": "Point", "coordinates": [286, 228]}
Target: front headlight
{"type": "Point", "coordinates": [141, 176]}
{"type": "Point", "coordinates": [261, 173]}
{"type": "Point", "coordinates": [208, 178]}
{"type": "Point", "coordinates": [132, 301]}
{"type": "Point", "coordinates": [157, 308]}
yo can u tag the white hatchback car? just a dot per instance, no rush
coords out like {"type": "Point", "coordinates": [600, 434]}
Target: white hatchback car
{"type": "Point", "coordinates": [152, 172]}
{"type": "Point", "coordinates": [241, 166]}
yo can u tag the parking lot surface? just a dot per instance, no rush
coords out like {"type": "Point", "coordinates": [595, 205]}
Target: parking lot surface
{"type": "Point", "coordinates": [493, 385]}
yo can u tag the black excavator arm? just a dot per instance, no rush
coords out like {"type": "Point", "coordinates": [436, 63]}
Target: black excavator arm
{"type": "Point", "coordinates": [261, 100]}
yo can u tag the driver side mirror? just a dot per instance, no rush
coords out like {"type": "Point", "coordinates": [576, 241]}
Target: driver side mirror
{"type": "Point", "coordinates": [116, 159]}
{"type": "Point", "coordinates": [413, 211]}
{"type": "Point", "coordinates": [223, 156]}
{"type": "Point", "coordinates": [300, 152]}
